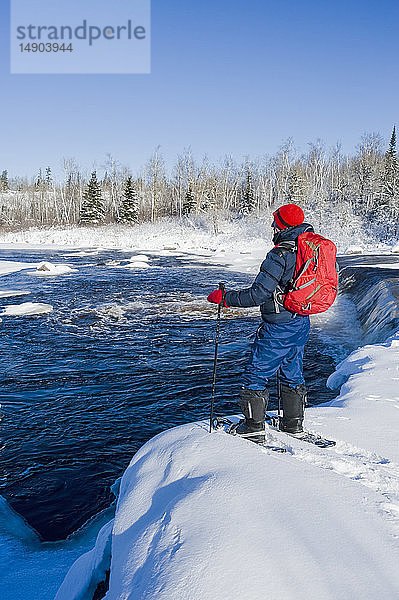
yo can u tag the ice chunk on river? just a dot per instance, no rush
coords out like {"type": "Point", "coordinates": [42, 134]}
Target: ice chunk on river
{"type": "Point", "coordinates": [13, 293]}
{"type": "Point", "coordinates": [11, 266]}
{"type": "Point", "coordinates": [27, 309]}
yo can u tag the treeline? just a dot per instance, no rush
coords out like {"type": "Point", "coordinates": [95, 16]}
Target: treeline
{"type": "Point", "coordinates": [365, 185]}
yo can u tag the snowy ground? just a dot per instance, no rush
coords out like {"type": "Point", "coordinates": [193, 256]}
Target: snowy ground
{"type": "Point", "coordinates": [210, 516]}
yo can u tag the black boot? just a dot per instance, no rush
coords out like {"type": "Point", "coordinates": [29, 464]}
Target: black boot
{"type": "Point", "coordinates": [253, 404]}
{"type": "Point", "coordinates": [293, 408]}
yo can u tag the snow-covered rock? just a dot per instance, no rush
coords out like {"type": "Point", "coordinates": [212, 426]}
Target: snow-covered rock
{"type": "Point", "coordinates": [27, 309]}
{"type": "Point", "coordinates": [139, 258]}
{"type": "Point", "coordinates": [45, 269]}
{"type": "Point", "coordinates": [395, 249]}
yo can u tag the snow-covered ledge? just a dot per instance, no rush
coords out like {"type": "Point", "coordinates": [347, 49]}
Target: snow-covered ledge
{"type": "Point", "coordinates": [211, 517]}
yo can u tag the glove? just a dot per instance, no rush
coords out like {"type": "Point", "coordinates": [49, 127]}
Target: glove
{"type": "Point", "coordinates": [216, 297]}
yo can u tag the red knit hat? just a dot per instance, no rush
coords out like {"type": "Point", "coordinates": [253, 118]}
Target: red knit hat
{"type": "Point", "coordinates": [288, 215]}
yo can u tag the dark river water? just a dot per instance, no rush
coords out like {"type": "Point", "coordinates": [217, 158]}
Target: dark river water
{"type": "Point", "coordinates": [125, 354]}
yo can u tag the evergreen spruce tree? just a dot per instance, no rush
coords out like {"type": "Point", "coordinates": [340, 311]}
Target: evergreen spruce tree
{"type": "Point", "coordinates": [129, 210]}
{"type": "Point", "coordinates": [49, 177]}
{"type": "Point", "coordinates": [189, 203]}
{"type": "Point", "coordinates": [92, 210]}
{"type": "Point", "coordinates": [39, 180]}
{"type": "Point", "coordinates": [392, 144]}
{"type": "Point", "coordinates": [248, 197]}
{"type": "Point", "coordinates": [4, 181]}
{"type": "Point", "coordinates": [390, 183]}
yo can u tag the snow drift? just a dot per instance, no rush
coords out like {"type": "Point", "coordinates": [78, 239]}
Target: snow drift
{"type": "Point", "coordinates": [213, 517]}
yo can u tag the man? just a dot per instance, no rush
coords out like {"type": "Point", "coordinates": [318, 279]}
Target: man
{"type": "Point", "coordinates": [281, 338]}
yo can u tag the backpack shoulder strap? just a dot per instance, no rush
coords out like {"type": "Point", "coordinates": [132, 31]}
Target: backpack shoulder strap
{"type": "Point", "coordinates": [284, 247]}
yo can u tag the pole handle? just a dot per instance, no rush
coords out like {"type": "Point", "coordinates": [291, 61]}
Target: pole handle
{"type": "Point", "coordinates": [223, 289]}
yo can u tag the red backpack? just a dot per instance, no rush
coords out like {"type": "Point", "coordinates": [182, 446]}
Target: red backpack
{"type": "Point", "coordinates": [313, 288]}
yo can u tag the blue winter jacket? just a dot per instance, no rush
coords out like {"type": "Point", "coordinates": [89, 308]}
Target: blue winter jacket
{"type": "Point", "coordinates": [275, 272]}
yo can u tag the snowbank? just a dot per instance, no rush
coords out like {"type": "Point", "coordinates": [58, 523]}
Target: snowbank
{"type": "Point", "coordinates": [368, 406]}
{"type": "Point", "coordinates": [231, 235]}
{"type": "Point", "coordinates": [27, 309]}
{"type": "Point", "coordinates": [214, 517]}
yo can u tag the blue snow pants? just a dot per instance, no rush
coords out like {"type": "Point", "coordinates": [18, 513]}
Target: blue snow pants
{"type": "Point", "coordinates": [277, 346]}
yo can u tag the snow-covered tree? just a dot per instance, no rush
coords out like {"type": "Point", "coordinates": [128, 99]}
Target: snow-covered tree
{"type": "Point", "coordinates": [92, 209]}
{"type": "Point", "coordinates": [129, 208]}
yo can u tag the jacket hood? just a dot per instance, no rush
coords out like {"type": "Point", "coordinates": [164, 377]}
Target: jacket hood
{"type": "Point", "coordinates": [292, 233]}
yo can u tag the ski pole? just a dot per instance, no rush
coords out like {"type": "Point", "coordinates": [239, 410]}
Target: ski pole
{"type": "Point", "coordinates": [221, 287]}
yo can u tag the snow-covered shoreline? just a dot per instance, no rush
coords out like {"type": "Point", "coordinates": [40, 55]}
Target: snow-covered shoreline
{"type": "Point", "coordinates": [239, 235]}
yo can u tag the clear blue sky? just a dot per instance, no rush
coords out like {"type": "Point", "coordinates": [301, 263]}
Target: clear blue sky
{"type": "Point", "coordinates": [228, 76]}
